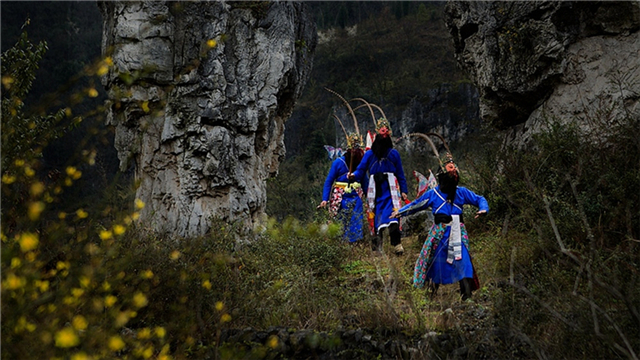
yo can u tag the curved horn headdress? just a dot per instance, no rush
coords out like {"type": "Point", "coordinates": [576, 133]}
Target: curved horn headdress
{"type": "Point", "coordinates": [341, 125]}
{"type": "Point", "coordinates": [373, 116]}
{"type": "Point", "coordinates": [428, 140]}
{"type": "Point", "coordinates": [346, 103]}
{"type": "Point", "coordinates": [370, 106]}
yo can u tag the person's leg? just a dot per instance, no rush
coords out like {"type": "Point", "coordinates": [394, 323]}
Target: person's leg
{"type": "Point", "coordinates": [394, 238]}
{"type": "Point", "coordinates": [465, 288]}
{"type": "Point", "coordinates": [376, 241]}
{"type": "Point", "coordinates": [432, 289]}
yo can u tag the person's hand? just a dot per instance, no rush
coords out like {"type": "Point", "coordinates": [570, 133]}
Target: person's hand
{"type": "Point", "coordinates": [350, 176]}
{"type": "Point", "coordinates": [481, 213]}
{"type": "Point", "coordinates": [322, 204]}
{"type": "Point", "coordinates": [394, 214]}
{"type": "Point", "coordinates": [405, 197]}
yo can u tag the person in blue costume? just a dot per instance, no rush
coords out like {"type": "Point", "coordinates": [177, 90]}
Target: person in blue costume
{"type": "Point", "coordinates": [344, 197]}
{"type": "Point", "coordinates": [387, 185]}
{"type": "Point", "coordinates": [445, 258]}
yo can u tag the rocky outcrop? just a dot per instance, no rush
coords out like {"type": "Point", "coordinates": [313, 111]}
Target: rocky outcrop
{"type": "Point", "coordinates": [449, 110]}
{"type": "Point", "coordinates": [199, 94]}
{"type": "Point", "coordinates": [537, 60]}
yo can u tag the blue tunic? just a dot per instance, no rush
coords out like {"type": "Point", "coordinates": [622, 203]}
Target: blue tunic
{"type": "Point", "coordinates": [389, 164]}
{"type": "Point", "coordinates": [351, 212]}
{"type": "Point", "coordinates": [433, 258]}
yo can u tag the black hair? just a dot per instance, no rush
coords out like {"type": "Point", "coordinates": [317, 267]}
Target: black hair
{"type": "Point", "coordinates": [448, 184]}
{"type": "Point", "coordinates": [381, 146]}
{"type": "Point", "coordinates": [356, 154]}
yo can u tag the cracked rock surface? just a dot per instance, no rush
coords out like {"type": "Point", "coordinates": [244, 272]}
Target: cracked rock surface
{"type": "Point", "coordinates": [198, 94]}
{"type": "Point", "coordinates": [539, 60]}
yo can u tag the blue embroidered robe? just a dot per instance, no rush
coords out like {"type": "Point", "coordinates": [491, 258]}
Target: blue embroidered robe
{"type": "Point", "coordinates": [432, 263]}
{"type": "Point", "coordinates": [351, 212]}
{"type": "Point", "coordinates": [389, 164]}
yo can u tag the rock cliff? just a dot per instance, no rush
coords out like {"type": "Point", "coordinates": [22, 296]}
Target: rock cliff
{"type": "Point", "coordinates": [198, 94]}
{"type": "Point", "coordinates": [537, 60]}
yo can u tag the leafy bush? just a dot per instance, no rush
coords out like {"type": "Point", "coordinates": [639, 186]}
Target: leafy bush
{"type": "Point", "coordinates": [568, 246]}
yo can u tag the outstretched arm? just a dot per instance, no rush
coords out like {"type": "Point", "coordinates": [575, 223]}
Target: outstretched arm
{"type": "Point", "coordinates": [328, 183]}
{"type": "Point", "coordinates": [419, 204]}
{"type": "Point", "coordinates": [472, 198]}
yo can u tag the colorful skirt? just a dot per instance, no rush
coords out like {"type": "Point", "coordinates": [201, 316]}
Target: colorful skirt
{"type": "Point", "coordinates": [432, 265]}
{"type": "Point", "coordinates": [349, 209]}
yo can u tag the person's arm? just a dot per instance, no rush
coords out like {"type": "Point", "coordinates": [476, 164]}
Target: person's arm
{"type": "Point", "coordinates": [474, 199]}
{"type": "Point", "coordinates": [419, 204]}
{"type": "Point", "coordinates": [328, 183]}
{"type": "Point", "coordinates": [394, 155]}
{"type": "Point", "coordinates": [361, 171]}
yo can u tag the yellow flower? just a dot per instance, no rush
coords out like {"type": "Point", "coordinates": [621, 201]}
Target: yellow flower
{"type": "Point", "coordinates": [206, 284]}
{"type": "Point", "coordinates": [108, 60]}
{"type": "Point", "coordinates": [77, 292]}
{"type": "Point", "coordinates": [225, 318]}
{"type": "Point", "coordinates": [122, 319]}
{"type": "Point", "coordinates": [80, 356]}
{"type": "Point", "coordinates": [144, 333]}
{"type": "Point", "coordinates": [23, 324]}
{"type": "Point", "coordinates": [102, 70]}
{"type": "Point", "coordinates": [85, 282]}
{"type": "Point", "coordinates": [175, 254]}
{"type": "Point", "coordinates": [139, 204]}
{"type": "Point", "coordinates": [147, 274]}
{"type": "Point", "coordinates": [118, 230]}
{"type": "Point", "coordinates": [60, 265]}
{"type": "Point", "coordinates": [212, 43]}
{"type": "Point", "coordinates": [139, 300]}
{"type": "Point", "coordinates": [35, 209]}
{"type": "Point", "coordinates": [160, 332]}
{"type": "Point", "coordinates": [8, 179]}
{"type": "Point", "coordinates": [15, 262]}
{"type": "Point", "coordinates": [135, 216]}
{"type": "Point", "coordinates": [106, 286]}
{"type": "Point", "coordinates": [73, 173]}
{"type": "Point", "coordinates": [109, 300]}
{"type": "Point", "coordinates": [19, 162]}
{"type": "Point", "coordinates": [66, 338]}
{"type": "Point", "coordinates": [81, 214]}
{"type": "Point", "coordinates": [28, 241]}
{"type": "Point", "coordinates": [42, 285]}
{"type": "Point", "coordinates": [106, 234]}
{"type": "Point", "coordinates": [147, 352]}
{"type": "Point", "coordinates": [92, 92]}
{"type": "Point", "coordinates": [145, 106]}
{"type": "Point", "coordinates": [29, 171]}
{"type": "Point", "coordinates": [219, 305]}
{"type": "Point", "coordinates": [116, 343]}
{"type": "Point", "coordinates": [79, 322]}
{"type": "Point", "coordinates": [7, 81]}
{"type": "Point", "coordinates": [272, 342]}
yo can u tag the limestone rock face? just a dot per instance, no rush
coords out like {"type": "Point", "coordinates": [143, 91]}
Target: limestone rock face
{"type": "Point", "coordinates": [199, 94]}
{"type": "Point", "coordinates": [535, 60]}
{"type": "Point", "coordinates": [450, 110]}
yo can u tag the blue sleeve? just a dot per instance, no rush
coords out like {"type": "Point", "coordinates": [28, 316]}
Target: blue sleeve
{"type": "Point", "coordinates": [361, 171]}
{"type": "Point", "coordinates": [394, 156]}
{"type": "Point", "coordinates": [419, 204]}
{"type": "Point", "coordinates": [331, 178]}
{"type": "Point", "coordinates": [472, 198]}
